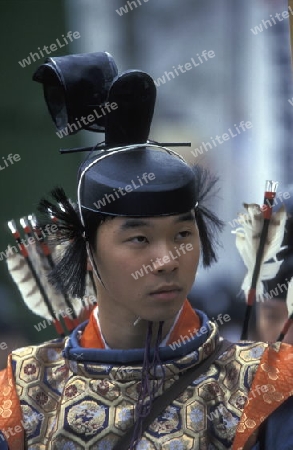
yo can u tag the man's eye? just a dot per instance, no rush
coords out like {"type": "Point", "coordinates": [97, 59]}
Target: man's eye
{"type": "Point", "coordinates": [138, 239]}
{"type": "Point", "coordinates": [184, 234]}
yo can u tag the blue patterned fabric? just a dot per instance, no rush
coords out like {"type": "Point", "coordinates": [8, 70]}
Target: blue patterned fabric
{"type": "Point", "coordinates": [74, 351]}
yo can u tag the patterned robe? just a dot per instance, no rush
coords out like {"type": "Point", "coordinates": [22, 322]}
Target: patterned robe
{"type": "Point", "coordinates": [77, 398]}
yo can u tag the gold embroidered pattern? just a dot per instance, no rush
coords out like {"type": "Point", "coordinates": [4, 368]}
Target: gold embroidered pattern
{"type": "Point", "coordinates": [91, 406]}
{"type": "Point", "coordinates": [86, 417]}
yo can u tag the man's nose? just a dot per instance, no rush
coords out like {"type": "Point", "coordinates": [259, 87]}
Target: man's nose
{"type": "Point", "coordinates": [165, 258]}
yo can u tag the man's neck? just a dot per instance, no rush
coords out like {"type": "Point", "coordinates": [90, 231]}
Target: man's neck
{"type": "Point", "coordinates": [120, 336]}
{"type": "Point", "coordinates": [103, 331]}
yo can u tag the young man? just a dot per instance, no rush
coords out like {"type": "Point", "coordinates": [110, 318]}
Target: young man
{"type": "Point", "coordinates": [144, 242]}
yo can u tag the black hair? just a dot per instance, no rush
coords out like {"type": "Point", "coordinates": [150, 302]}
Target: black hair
{"type": "Point", "coordinates": [209, 225]}
{"type": "Point", "coordinates": [69, 273]}
{"type": "Point", "coordinates": [92, 222]}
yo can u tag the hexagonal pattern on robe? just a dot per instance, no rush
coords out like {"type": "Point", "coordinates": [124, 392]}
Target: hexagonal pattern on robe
{"type": "Point", "coordinates": [238, 399]}
{"type": "Point", "coordinates": [42, 398]}
{"type": "Point", "coordinates": [73, 390]}
{"type": "Point", "coordinates": [185, 396]}
{"type": "Point", "coordinates": [222, 422]}
{"type": "Point", "coordinates": [54, 377]}
{"type": "Point", "coordinates": [196, 416]}
{"type": "Point", "coordinates": [86, 418]}
{"type": "Point", "coordinates": [232, 374]}
{"type": "Point", "coordinates": [124, 413]}
{"type": "Point", "coordinates": [180, 443]}
{"type": "Point", "coordinates": [249, 375]}
{"type": "Point", "coordinates": [62, 442]}
{"type": "Point", "coordinates": [107, 389]}
{"type": "Point", "coordinates": [210, 390]}
{"type": "Point", "coordinates": [132, 390]}
{"type": "Point", "coordinates": [29, 370]}
{"type": "Point", "coordinates": [105, 442]}
{"type": "Point", "coordinates": [23, 351]}
{"type": "Point", "coordinates": [169, 421]}
{"type": "Point", "coordinates": [20, 389]}
{"type": "Point", "coordinates": [48, 355]}
{"type": "Point", "coordinates": [252, 353]}
{"type": "Point", "coordinates": [33, 420]}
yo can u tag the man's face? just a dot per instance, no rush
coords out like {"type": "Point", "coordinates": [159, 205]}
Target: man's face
{"type": "Point", "coordinates": [147, 265]}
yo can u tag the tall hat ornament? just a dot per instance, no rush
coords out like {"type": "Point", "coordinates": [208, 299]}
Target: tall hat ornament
{"type": "Point", "coordinates": [75, 86]}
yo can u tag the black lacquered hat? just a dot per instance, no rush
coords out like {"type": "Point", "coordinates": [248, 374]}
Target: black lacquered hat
{"type": "Point", "coordinates": [77, 86]}
{"type": "Point", "coordinates": [142, 181]}
{"type": "Point", "coordinates": [134, 177]}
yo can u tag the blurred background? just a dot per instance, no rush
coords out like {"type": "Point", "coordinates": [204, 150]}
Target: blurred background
{"type": "Point", "coordinates": [248, 79]}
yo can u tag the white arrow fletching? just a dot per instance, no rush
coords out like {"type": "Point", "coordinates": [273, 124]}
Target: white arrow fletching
{"type": "Point", "coordinates": [247, 243]}
{"type": "Point", "coordinates": [26, 283]}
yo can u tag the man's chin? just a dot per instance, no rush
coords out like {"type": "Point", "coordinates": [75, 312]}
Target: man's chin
{"type": "Point", "coordinates": [162, 314]}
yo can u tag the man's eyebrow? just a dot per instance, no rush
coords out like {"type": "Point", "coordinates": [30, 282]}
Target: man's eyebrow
{"type": "Point", "coordinates": [185, 217]}
{"type": "Point", "coordinates": [136, 223]}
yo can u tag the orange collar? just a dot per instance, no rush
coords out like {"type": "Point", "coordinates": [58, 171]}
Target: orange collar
{"type": "Point", "coordinates": [187, 322]}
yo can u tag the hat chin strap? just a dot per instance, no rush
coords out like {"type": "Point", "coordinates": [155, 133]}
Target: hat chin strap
{"type": "Point", "coordinates": [136, 321]}
{"type": "Point", "coordinates": [93, 263]}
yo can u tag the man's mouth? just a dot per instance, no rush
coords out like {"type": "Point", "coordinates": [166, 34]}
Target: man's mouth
{"type": "Point", "coordinates": [166, 292]}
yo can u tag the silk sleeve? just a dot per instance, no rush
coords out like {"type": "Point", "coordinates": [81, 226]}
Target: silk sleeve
{"type": "Point", "coordinates": [11, 424]}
